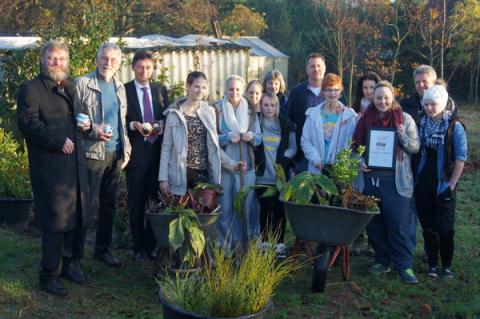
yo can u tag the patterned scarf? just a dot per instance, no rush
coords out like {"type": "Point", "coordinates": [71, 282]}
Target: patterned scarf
{"type": "Point", "coordinates": [432, 132]}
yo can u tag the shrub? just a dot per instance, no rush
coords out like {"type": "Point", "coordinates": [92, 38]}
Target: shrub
{"type": "Point", "coordinates": [14, 173]}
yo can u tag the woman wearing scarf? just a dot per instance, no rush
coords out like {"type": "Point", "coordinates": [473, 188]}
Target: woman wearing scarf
{"type": "Point", "coordinates": [390, 231]}
{"type": "Point", "coordinates": [442, 157]}
{"type": "Point", "coordinates": [239, 131]}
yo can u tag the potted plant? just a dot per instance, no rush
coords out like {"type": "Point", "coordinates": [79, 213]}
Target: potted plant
{"type": "Point", "coordinates": [207, 194]}
{"type": "Point", "coordinates": [238, 286]}
{"type": "Point", "coordinates": [16, 198]}
{"type": "Point", "coordinates": [181, 227]}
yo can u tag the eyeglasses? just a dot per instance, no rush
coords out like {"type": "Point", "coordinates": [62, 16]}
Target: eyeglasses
{"type": "Point", "coordinates": [60, 59]}
{"type": "Point", "coordinates": [332, 90]}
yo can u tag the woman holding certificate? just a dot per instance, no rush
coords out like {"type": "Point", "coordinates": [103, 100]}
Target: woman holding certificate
{"type": "Point", "coordinates": [391, 138]}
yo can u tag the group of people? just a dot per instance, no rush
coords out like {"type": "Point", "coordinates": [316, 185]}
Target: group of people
{"type": "Point", "coordinates": [173, 145]}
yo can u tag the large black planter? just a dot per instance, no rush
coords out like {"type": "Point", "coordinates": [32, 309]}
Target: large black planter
{"type": "Point", "coordinates": [171, 311]}
{"type": "Point", "coordinates": [160, 225]}
{"type": "Point", "coordinates": [14, 212]}
{"type": "Point", "coordinates": [328, 226]}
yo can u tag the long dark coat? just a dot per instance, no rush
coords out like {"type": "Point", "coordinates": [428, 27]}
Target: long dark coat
{"type": "Point", "coordinates": [46, 117]}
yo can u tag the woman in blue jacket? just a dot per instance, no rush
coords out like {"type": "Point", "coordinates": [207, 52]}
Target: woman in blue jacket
{"type": "Point", "coordinates": [442, 158]}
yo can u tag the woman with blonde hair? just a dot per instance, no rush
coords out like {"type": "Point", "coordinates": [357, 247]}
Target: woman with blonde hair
{"type": "Point", "coordinates": [239, 132]}
{"type": "Point", "coordinates": [274, 83]}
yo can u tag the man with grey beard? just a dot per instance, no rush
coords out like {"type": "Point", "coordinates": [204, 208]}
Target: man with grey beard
{"type": "Point", "coordinates": [46, 111]}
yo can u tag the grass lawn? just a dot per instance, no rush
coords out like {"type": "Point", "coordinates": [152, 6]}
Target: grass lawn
{"type": "Point", "coordinates": [129, 292]}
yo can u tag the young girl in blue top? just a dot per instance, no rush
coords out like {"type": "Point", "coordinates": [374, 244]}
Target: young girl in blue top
{"type": "Point", "coordinates": [328, 127]}
{"type": "Point", "coordinates": [442, 158]}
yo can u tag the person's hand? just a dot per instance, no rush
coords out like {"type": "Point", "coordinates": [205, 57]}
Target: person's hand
{"type": "Point", "coordinates": [247, 137]}
{"type": "Point", "coordinates": [139, 127]}
{"type": "Point", "coordinates": [318, 165]}
{"type": "Point", "coordinates": [240, 166]}
{"type": "Point", "coordinates": [159, 128]}
{"type": "Point", "coordinates": [235, 138]}
{"type": "Point", "coordinates": [364, 167]}
{"type": "Point", "coordinates": [164, 187]}
{"type": "Point", "coordinates": [401, 129]}
{"type": "Point", "coordinates": [101, 135]}
{"type": "Point", "coordinates": [68, 147]}
{"type": "Point", "coordinates": [85, 127]}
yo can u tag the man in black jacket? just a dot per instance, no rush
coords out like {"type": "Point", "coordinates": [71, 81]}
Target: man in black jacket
{"type": "Point", "coordinates": [303, 96]}
{"type": "Point", "coordinates": [145, 104]}
{"type": "Point", "coordinates": [47, 107]}
{"type": "Point", "coordinates": [424, 77]}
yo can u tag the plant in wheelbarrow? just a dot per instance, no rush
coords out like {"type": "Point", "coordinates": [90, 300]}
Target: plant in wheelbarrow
{"type": "Point", "coordinates": [16, 198]}
{"type": "Point", "coordinates": [324, 210]}
{"type": "Point", "coordinates": [232, 286]}
{"type": "Point", "coordinates": [181, 225]}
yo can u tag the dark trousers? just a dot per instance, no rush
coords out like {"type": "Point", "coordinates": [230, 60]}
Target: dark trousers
{"type": "Point", "coordinates": [103, 177]}
{"type": "Point", "coordinates": [59, 249]}
{"type": "Point", "coordinates": [142, 185]}
{"type": "Point", "coordinates": [437, 217]}
{"type": "Point", "coordinates": [272, 216]}
{"type": "Point", "coordinates": [390, 232]}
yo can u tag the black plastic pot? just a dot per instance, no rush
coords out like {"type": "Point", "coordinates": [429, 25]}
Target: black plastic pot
{"type": "Point", "coordinates": [329, 225]}
{"type": "Point", "coordinates": [14, 212]}
{"type": "Point", "coordinates": [171, 311]}
{"type": "Point", "coordinates": [160, 225]}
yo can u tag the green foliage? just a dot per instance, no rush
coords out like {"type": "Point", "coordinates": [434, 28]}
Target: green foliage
{"type": "Point", "coordinates": [305, 187]}
{"type": "Point", "coordinates": [22, 65]}
{"type": "Point", "coordinates": [18, 66]}
{"type": "Point", "coordinates": [235, 286]}
{"type": "Point", "coordinates": [185, 234]}
{"type": "Point", "coordinates": [243, 21]}
{"type": "Point", "coordinates": [83, 41]}
{"type": "Point", "coordinates": [345, 169]}
{"type": "Point", "coordinates": [14, 172]}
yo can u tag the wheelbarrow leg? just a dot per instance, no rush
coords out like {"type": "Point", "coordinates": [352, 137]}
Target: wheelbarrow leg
{"type": "Point", "coordinates": [320, 269]}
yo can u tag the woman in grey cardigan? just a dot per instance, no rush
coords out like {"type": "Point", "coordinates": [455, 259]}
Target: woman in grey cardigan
{"type": "Point", "coordinates": [190, 150]}
{"type": "Point", "coordinates": [390, 231]}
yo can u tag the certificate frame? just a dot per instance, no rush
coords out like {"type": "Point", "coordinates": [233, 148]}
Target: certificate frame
{"type": "Point", "coordinates": [381, 148]}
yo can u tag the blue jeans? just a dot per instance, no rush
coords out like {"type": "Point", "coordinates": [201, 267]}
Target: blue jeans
{"type": "Point", "coordinates": [390, 232]}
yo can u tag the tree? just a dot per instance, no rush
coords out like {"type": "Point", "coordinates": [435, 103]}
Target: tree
{"type": "Point", "coordinates": [466, 49]}
{"type": "Point", "coordinates": [243, 21]}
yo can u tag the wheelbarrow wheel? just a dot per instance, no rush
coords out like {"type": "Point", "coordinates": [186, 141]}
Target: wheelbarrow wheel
{"type": "Point", "coordinates": [320, 269]}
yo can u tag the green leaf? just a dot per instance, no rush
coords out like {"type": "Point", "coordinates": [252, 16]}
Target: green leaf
{"type": "Point", "coordinates": [197, 240]}
{"type": "Point", "coordinates": [270, 191]}
{"type": "Point", "coordinates": [326, 184]}
{"type": "Point", "coordinates": [176, 235]}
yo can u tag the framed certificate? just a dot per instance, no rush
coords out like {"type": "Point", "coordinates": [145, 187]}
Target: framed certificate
{"type": "Point", "coordinates": [381, 147]}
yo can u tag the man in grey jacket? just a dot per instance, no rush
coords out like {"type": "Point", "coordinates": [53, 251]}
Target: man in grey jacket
{"type": "Point", "coordinates": [107, 146]}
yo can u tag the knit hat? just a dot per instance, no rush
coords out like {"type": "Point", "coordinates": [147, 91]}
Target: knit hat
{"type": "Point", "coordinates": [436, 93]}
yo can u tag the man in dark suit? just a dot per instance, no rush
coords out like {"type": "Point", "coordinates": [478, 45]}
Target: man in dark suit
{"type": "Point", "coordinates": [303, 96]}
{"type": "Point", "coordinates": [47, 107]}
{"type": "Point", "coordinates": [145, 104]}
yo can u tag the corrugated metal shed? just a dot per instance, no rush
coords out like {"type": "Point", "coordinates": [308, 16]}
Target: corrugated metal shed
{"type": "Point", "coordinates": [249, 57]}
{"type": "Point", "coordinates": [217, 58]}
{"type": "Point", "coordinates": [263, 57]}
